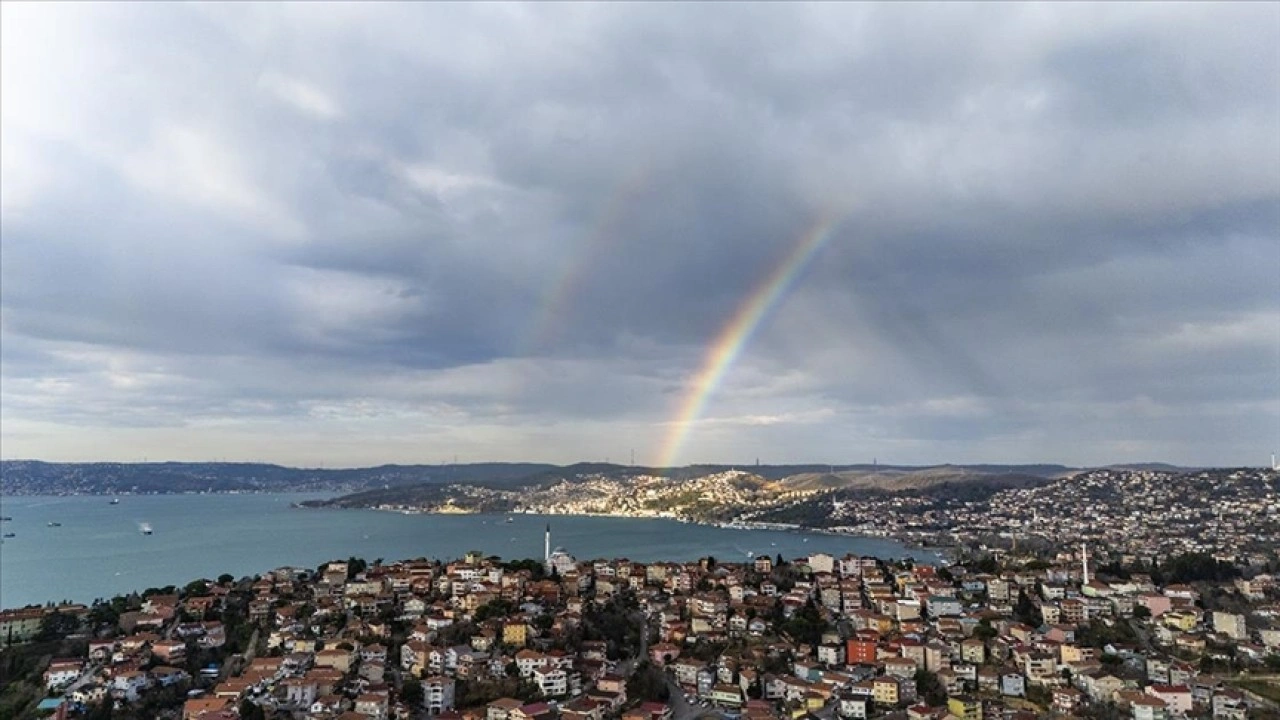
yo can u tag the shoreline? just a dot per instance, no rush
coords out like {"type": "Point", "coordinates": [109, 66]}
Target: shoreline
{"type": "Point", "coordinates": [46, 564]}
{"type": "Point", "coordinates": [943, 553]}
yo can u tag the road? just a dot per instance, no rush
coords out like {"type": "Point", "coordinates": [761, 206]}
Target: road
{"type": "Point", "coordinates": [682, 709]}
{"type": "Point", "coordinates": [628, 666]}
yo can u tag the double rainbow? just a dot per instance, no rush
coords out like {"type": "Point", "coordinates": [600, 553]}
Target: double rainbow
{"type": "Point", "coordinates": [735, 334]}
{"type": "Point", "coordinates": [552, 307]}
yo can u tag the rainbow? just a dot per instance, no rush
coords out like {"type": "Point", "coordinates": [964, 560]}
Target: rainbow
{"type": "Point", "coordinates": [551, 307]}
{"type": "Point", "coordinates": [733, 337]}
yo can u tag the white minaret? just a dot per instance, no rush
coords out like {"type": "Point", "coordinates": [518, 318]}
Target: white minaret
{"type": "Point", "coordinates": [1084, 562]}
{"type": "Point", "coordinates": [546, 549]}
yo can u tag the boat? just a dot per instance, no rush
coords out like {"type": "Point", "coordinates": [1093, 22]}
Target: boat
{"type": "Point", "coordinates": [6, 518]}
{"type": "Point", "coordinates": [145, 528]}
{"type": "Point", "coordinates": [114, 501]}
{"type": "Point", "coordinates": [9, 535]}
{"type": "Point", "coordinates": [55, 524]}
{"type": "Point", "coordinates": [510, 519]}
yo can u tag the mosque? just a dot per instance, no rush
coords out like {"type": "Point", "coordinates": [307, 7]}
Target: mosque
{"type": "Point", "coordinates": [558, 560]}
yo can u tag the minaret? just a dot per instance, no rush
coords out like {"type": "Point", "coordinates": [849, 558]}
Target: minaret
{"type": "Point", "coordinates": [1084, 562]}
{"type": "Point", "coordinates": [546, 549]}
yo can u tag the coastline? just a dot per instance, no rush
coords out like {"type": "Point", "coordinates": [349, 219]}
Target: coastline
{"type": "Point", "coordinates": [943, 552]}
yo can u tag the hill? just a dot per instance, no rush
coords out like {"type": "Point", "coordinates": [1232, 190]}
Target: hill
{"type": "Point", "coordinates": [33, 477]}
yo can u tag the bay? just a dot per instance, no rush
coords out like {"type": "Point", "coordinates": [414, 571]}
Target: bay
{"type": "Point", "coordinates": [99, 551]}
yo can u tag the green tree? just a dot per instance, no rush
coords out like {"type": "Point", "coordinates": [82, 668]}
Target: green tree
{"type": "Point", "coordinates": [929, 688]}
{"type": "Point", "coordinates": [411, 692]}
{"type": "Point", "coordinates": [806, 625]}
{"type": "Point", "coordinates": [251, 711]}
{"type": "Point", "coordinates": [647, 683]}
{"type": "Point", "coordinates": [56, 626]}
{"type": "Point", "coordinates": [1025, 611]}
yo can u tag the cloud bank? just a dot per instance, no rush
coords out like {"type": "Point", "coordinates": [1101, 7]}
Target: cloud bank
{"type": "Point", "coordinates": [346, 234]}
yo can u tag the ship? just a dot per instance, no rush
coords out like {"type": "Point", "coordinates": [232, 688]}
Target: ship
{"type": "Point", "coordinates": [145, 528]}
{"type": "Point", "coordinates": [55, 524]}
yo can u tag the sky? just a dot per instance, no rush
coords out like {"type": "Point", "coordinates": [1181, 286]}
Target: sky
{"type": "Point", "coordinates": [343, 235]}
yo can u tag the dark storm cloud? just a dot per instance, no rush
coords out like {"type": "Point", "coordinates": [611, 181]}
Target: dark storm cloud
{"type": "Point", "coordinates": [513, 229]}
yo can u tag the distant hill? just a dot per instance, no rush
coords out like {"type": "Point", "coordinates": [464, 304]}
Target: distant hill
{"type": "Point", "coordinates": [1152, 467]}
{"type": "Point", "coordinates": [895, 479]}
{"type": "Point", "coordinates": [800, 494]}
{"type": "Point", "coordinates": [33, 477]}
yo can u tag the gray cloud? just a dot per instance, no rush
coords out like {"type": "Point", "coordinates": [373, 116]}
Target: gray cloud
{"type": "Point", "coordinates": [395, 233]}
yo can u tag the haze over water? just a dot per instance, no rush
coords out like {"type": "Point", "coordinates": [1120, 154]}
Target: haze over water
{"type": "Point", "coordinates": [99, 551]}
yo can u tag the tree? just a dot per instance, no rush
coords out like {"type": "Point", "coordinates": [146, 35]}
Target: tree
{"type": "Point", "coordinates": [411, 692]}
{"type": "Point", "coordinates": [1194, 567]}
{"type": "Point", "coordinates": [1026, 611]}
{"type": "Point", "coordinates": [806, 625]}
{"type": "Point", "coordinates": [496, 608]}
{"type": "Point", "coordinates": [647, 683]}
{"type": "Point", "coordinates": [249, 710]}
{"type": "Point", "coordinates": [226, 579]}
{"type": "Point", "coordinates": [56, 626]}
{"type": "Point", "coordinates": [104, 710]}
{"type": "Point", "coordinates": [928, 687]}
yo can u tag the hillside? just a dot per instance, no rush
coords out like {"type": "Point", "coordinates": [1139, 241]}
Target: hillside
{"type": "Point", "coordinates": [702, 493]}
{"type": "Point", "coordinates": [898, 479]}
{"type": "Point", "coordinates": [33, 477]}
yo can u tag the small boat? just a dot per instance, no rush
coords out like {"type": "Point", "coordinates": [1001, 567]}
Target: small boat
{"type": "Point", "coordinates": [6, 518]}
{"type": "Point", "coordinates": [144, 528]}
{"type": "Point", "coordinates": [9, 535]}
{"type": "Point", "coordinates": [55, 524]}
{"type": "Point", "coordinates": [510, 519]}
{"type": "Point", "coordinates": [114, 501]}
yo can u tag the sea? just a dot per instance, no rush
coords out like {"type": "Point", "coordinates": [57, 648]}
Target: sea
{"type": "Point", "coordinates": [98, 549]}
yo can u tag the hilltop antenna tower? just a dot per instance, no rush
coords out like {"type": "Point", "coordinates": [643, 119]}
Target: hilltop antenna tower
{"type": "Point", "coordinates": [1274, 464]}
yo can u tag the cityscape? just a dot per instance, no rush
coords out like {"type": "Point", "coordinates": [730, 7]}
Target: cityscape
{"type": "Point", "coordinates": [1034, 629]}
{"type": "Point", "coordinates": [640, 360]}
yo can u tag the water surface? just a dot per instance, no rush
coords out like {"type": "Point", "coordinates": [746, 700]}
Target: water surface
{"type": "Point", "coordinates": [99, 551]}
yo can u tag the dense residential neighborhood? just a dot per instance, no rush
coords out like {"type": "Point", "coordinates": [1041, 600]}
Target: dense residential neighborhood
{"type": "Point", "coordinates": [997, 635]}
{"type": "Point", "coordinates": [1131, 514]}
